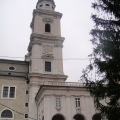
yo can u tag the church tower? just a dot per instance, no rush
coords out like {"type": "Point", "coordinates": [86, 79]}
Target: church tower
{"type": "Point", "coordinates": [44, 50]}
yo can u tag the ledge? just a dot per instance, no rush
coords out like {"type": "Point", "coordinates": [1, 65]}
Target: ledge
{"type": "Point", "coordinates": [15, 74]}
{"type": "Point", "coordinates": [50, 76]}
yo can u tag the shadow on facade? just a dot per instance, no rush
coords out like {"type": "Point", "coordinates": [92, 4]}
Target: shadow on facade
{"type": "Point", "coordinates": [97, 117]}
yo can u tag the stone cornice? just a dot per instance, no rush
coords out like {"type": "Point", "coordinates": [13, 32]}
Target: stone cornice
{"type": "Point", "coordinates": [13, 74]}
{"type": "Point", "coordinates": [50, 76]}
{"type": "Point", "coordinates": [80, 91]}
{"type": "Point", "coordinates": [14, 62]}
{"type": "Point", "coordinates": [39, 38]}
{"type": "Point", "coordinates": [48, 37]}
{"type": "Point", "coordinates": [47, 12]}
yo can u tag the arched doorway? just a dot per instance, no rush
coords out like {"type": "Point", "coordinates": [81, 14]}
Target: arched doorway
{"type": "Point", "coordinates": [78, 117]}
{"type": "Point", "coordinates": [58, 117]}
{"type": "Point", "coordinates": [97, 117]}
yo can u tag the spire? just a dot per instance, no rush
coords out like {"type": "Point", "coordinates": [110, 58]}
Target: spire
{"type": "Point", "coordinates": [47, 0]}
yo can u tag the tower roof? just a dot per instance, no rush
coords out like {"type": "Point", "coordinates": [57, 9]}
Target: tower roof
{"type": "Point", "coordinates": [47, 0]}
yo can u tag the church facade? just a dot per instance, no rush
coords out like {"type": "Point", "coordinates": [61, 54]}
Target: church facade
{"type": "Point", "coordinates": [36, 89]}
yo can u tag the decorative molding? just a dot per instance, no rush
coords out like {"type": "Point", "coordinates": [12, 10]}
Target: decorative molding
{"type": "Point", "coordinates": [58, 108]}
{"type": "Point", "coordinates": [48, 20]}
{"type": "Point", "coordinates": [58, 44]}
{"type": "Point", "coordinates": [46, 37]}
{"type": "Point", "coordinates": [47, 12]}
{"type": "Point", "coordinates": [38, 42]}
{"type": "Point", "coordinates": [48, 56]}
{"type": "Point", "coordinates": [56, 95]}
{"type": "Point", "coordinates": [47, 49]}
{"type": "Point", "coordinates": [78, 109]}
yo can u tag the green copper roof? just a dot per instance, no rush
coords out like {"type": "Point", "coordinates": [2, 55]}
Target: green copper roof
{"type": "Point", "coordinates": [48, 0]}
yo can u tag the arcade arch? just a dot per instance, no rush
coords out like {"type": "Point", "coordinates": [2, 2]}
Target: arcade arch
{"type": "Point", "coordinates": [78, 117]}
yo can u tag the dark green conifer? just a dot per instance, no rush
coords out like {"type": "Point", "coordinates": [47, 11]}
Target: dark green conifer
{"type": "Point", "coordinates": [106, 58]}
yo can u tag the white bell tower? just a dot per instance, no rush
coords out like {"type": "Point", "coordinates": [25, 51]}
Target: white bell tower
{"type": "Point", "coordinates": [45, 47]}
{"type": "Point", "coordinates": [44, 50]}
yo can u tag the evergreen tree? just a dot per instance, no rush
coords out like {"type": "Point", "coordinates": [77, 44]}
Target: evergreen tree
{"type": "Point", "coordinates": [106, 58]}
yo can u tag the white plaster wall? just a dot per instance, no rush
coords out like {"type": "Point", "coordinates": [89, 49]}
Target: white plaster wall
{"type": "Point", "coordinates": [34, 58]}
{"type": "Point", "coordinates": [68, 108]}
{"type": "Point", "coordinates": [38, 64]}
{"type": "Point", "coordinates": [39, 25]}
{"type": "Point", "coordinates": [32, 104]}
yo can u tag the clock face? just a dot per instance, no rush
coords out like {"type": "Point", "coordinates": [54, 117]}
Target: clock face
{"type": "Point", "coordinates": [47, 49]}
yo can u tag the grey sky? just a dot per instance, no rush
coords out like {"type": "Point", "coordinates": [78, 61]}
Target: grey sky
{"type": "Point", "coordinates": [15, 19]}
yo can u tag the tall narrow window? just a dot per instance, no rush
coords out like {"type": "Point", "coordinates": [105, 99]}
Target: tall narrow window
{"type": "Point", "coordinates": [47, 27]}
{"type": "Point", "coordinates": [48, 66]}
{"type": "Point", "coordinates": [12, 92]}
{"type": "Point", "coordinates": [77, 102]}
{"type": "Point", "coordinates": [26, 104]}
{"type": "Point", "coordinates": [58, 102]}
{"type": "Point", "coordinates": [5, 92]}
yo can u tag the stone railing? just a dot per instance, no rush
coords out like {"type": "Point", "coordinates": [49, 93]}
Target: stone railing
{"type": "Point", "coordinates": [77, 84]}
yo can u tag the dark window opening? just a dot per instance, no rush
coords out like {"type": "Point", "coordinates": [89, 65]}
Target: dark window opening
{"type": "Point", "coordinates": [12, 68]}
{"type": "Point", "coordinates": [27, 82]}
{"type": "Point", "coordinates": [47, 27]}
{"type": "Point", "coordinates": [47, 5]}
{"type": "Point", "coordinates": [40, 5]}
{"type": "Point", "coordinates": [6, 114]}
{"type": "Point", "coordinates": [77, 102]}
{"type": "Point", "coordinates": [26, 115]}
{"type": "Point", "coordinates": [12, 92]}
{"type": "Point", "coordinates": [26, 104]}
{"type": "Point", "coordinates": [27, 92]}
{"type": "Point", "coordinates": [5, 92]}
{"type": "Point", "coordinates": [9, 73]}
{"type": "Point", "coordinates": [48, 66]}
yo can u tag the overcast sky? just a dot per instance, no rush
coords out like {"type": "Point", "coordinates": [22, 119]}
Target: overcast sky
{"type": "Point", "coordinates": [15, 19]}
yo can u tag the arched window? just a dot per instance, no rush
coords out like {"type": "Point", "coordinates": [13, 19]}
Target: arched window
{"type": "Point", "coordinates": [47, 27]}
{"type": "Point", "coordinates": [6, 114]}
{"type": "Point", "coordinates": [97, 117]}
{"type": "Point", "coordinates": [78, 117]}
{"type": "Point", "coordinates": [58, 117]}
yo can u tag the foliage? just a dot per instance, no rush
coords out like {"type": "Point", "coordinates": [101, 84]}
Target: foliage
{"type": "Point", "coordinates": [105, 58]}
